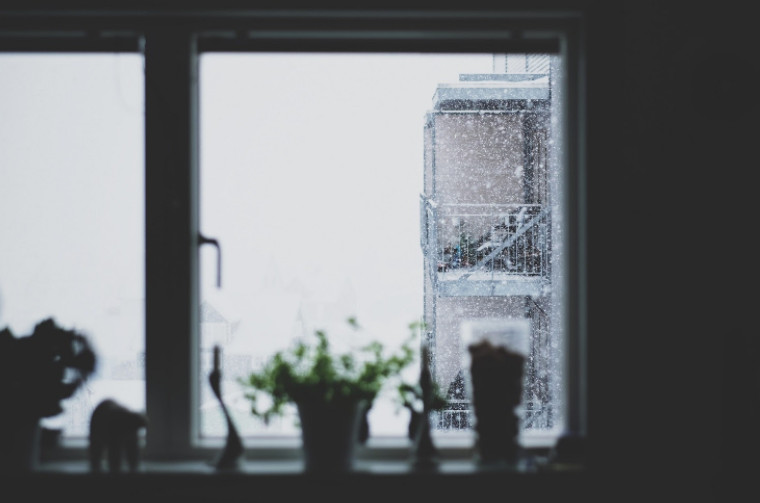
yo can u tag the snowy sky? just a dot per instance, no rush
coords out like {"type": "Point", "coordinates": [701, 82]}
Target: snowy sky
{"type": "Point", "coordinates": [329, 151]}
{"type": "Point", "coordinates": [311, 170]}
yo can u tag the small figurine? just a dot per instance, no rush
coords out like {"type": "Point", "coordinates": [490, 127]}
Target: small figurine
{"type": "Point", "coordinates": [114, 431]}
{"type": "Point", "coordinates": [425, 452]}
{"type": "Point", "coordinates": [233, 449]}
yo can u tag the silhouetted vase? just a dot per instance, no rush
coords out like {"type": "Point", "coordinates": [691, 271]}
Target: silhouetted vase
{"type": "Point", "coordinates": [496, 374]}
{"type": "Point", "coordinates": [329, 434]}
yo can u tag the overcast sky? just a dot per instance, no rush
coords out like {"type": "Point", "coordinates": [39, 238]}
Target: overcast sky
{"type": "Point", "coordinates": [311, 174]}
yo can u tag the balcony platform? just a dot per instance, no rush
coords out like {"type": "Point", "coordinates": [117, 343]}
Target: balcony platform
{"type": "Point", "coordinates": [468, 283]}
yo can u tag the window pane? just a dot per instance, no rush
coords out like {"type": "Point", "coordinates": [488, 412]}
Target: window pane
{"type": "Point", "coordinates": [317, 172]}
{"type": "Point", "coordinates": [72, 206]}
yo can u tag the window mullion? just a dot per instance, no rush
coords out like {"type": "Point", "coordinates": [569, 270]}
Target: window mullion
{"type": "Point", "coordinates": [171, 100]}
{"type": "Point", "coordinates": [573, 200]}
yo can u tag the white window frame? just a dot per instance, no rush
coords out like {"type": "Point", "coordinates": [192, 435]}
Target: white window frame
{"type": "Point", "coordinates": [171, 46]}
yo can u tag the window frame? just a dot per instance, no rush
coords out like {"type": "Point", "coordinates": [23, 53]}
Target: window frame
{"type": "Point", "coordinates": [171, 46]}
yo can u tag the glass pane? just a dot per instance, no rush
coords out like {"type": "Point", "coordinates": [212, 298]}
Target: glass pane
{"type": "Point", "coordinates": [339, 184]}
{"type": "Point", "coordinates": [72, 206]}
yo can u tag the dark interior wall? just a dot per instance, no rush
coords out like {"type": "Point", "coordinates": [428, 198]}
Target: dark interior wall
{"type": "Point", "coordinates": [670, 224]}
{"type": "Point", "coordinates": [671, 352]}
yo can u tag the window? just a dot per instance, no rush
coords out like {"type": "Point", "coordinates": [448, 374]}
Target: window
{"type": "Point", "coordinates": [72, 199]}
{"type": "Point", "coordinates": [311, 172]}
{"type": "Point", "coordinates": [196, 152]}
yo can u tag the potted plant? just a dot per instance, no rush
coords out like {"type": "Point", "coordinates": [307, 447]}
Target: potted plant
{"type": "Point", "coordinates": [37, 372]}
{"type": "Point", "coordinates": [332, 393]}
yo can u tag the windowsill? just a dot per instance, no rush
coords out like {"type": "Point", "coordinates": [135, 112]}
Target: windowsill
{"type": "Point", "coordinates": [455, 450]}
{"type": "Point", "coordinates": [457, 440]}
{"type": "Point", "coordinates": [273, 470]}
{"type": "Point", "coordinates": [283, 456]}
{"type": "Point", "coordinates": [527, 465]}
{"type": "Point", "coordinates": [285, 480]}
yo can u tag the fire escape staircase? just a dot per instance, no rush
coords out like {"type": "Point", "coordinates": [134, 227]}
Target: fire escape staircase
{"type": "Point", "coordinates": [483, 278]}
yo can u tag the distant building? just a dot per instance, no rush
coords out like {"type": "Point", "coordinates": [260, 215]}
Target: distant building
{"type": "Point", "coordinates": [486, 223]}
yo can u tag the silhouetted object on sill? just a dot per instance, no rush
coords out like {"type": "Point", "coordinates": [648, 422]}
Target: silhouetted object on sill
{"type": "Point", "coordinates": [37, 372]}
{"type": "Point", "coordinates": [330, 433]}
{"type": "Point", "coordinates": [496, 374]}
{"type": "Point", "coordinates": [364, 426]}
{"type": "Point", "coordinates": [569, 452]}
{"type": "Point", "coordinates": [233, 448]}
{"type": "Point", "coordinates": [414, 424]}
{"type": "Point", "coordinates": [416, 397]}
{"type": "Point", "coordinates": [115, 433]}
{"type": "Point", "coordinates": [425, 454]}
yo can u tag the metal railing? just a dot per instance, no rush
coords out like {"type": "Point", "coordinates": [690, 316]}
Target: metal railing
{"type": "Point", "coordinates": [470, 241]}
{"type": "Point", "coordinates": [460, 416]}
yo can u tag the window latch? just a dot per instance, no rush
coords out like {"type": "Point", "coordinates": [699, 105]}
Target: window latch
{"type": "Point", "coordinates": [203, 240]}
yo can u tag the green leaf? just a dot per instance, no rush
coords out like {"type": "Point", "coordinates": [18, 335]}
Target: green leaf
{"type": "Point", "coordinates": [313, 372]}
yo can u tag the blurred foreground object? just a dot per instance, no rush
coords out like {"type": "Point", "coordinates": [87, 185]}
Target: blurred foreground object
{"type": "Point", "coordinates": [115, 432]}
{"type": "Point", "coordinates": [233, 447]}
{"type": "Point", "coordinates": [497, 375]}
{"type": "Point", "coordinates": [37, 372]}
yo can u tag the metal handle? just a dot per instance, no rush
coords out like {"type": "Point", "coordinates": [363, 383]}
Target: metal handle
{"type": "Point", "coordinates": [203, 240]}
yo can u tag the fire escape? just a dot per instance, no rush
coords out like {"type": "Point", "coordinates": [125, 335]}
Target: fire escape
{"type": "Point", "coordinates": [485, 218]}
